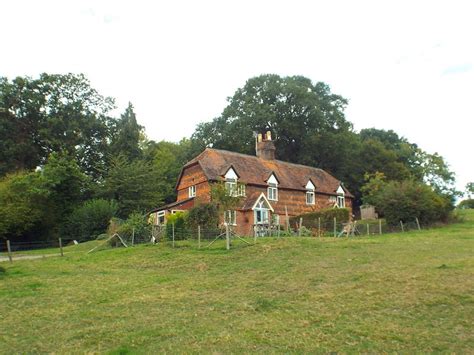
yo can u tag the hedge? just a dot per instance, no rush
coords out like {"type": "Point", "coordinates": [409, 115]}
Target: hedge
{"type": "Point", "coordinates": [310, 220]}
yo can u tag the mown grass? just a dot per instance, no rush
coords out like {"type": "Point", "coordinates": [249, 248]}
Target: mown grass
{"type": "Point", "coordinates": [410, 292]}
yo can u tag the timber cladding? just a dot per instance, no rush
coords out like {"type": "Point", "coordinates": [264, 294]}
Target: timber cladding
{"type": "Point", "coordinates": [292, 181]}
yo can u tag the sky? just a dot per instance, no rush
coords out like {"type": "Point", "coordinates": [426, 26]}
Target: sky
{"type": "Point", "coordinates": [403, 65]}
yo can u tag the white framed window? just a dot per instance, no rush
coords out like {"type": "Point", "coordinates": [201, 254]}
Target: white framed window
{"type": "Point", "coordinates": [160, 218]}
{"type": "Point", "coordinates": [340, 199]}
{"type": "Point", "coordinates": [192, 191]}
{"type": "Point", "coordinates": [310, 199]}
{"type": "Point", "coordinates": [176, 211]}
{"type": "Point", "coordinates": [272, 192]}
{"type": "Point", "coordinates": [341, 203]}
{"type": "Point", "coordinates": [261, 213]}
{"type": "Point", "coordinates": [234, 189]}
{"type": "Point", "coordinates": [230, 218]}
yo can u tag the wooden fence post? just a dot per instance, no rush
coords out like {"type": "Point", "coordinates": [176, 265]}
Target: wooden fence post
{"type": "Point", "coordinates": [227, 237]}
{"type": "Point", "coordinates": [418, 224]}
{"type": "Point", "coordinates": [61, 246]}
{"type": "Point", "coordinates": [319, 227]}
{"type": "Point", "coordinates": [199, 237]}
{"type": "Point", "coordinates": [287, 219]}
{"type": "Point", "coordinates": [255, 234]}
{"type": "Point", "coordinates": [301, 225]}
{"type": "Point", "coordinates": [172, 230]}
{"type": "Point", "coordinates": [133, 236]}
{"type": "Point", "coordinates": [403, 229]}
{"type": "Point", "coordinates": [335, 227]}
{"type": "Point", "coordinates": [380, 226]}
{"type": "Point", "coordinates": [368, 229]}
{"type": "Point", "coordinates": [9, 251]}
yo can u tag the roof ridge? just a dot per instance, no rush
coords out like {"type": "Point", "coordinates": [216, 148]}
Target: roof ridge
{"type": "Point", "coordinates": [255, 157]}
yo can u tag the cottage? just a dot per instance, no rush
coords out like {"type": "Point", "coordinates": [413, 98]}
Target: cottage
{"type": "Point", "coordinates": [271, 189]}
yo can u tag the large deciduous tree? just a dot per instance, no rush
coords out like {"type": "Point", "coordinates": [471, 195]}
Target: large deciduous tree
{"type": "Point", "coordinates": [50, 114]}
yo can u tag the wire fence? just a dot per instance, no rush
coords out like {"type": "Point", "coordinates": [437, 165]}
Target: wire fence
{"type": "Point", "coordinates": [202, 238]}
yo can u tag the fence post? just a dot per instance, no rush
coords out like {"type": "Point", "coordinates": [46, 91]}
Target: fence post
{"type": "Point", "coordinates": [319, 227]}
{"type": "Point", "coordinates": [199, 237]}
{"type": "Point", "coordinates": [9, 251]}
{"type": "Point", "coordinates": [227, 237]}
{"type": "Point", "coordinates": [403, 229]}
{"type": "Point", "coordinates": [172, 230]}
{"type": "Point", "coordinates": [61, 246]}
{"type": "Point", "coordinates": [255, 234]}
{"type": "Point", "coordinates": [380, 226]}
{"type": "Point", "coordinates": [133, 236]}
{"type": "Point", "coordinates": [418, 224]}
{"type": "Point", "coordinates": [335, 227]}
{"type": "Point", "coordinates": [368, 229]}
{"type": "Point", "coordinates": [301, 224]}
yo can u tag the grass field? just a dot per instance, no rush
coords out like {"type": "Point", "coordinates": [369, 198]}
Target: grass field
{"type": "Point", "coordinates": [411, 292]}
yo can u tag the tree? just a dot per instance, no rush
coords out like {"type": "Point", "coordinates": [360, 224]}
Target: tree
{"type": "Point", "coordinates": [293, 108]}
{"type": "Point", "coordinates": [127, 136]}
{"type": "Point", "coordinates": [23, 198]}
{"type": "Point", "coordinates": [406, 200]}
{"type": "Point", "coordinates": [469, 189]}
{"type": "Point", "coordinates": [132, 185]}
{"type": "Point", "coordinates": [50, 114]}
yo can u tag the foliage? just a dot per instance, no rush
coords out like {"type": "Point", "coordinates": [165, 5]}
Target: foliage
{"type": "Point", "coordinates": [126, 136]}
{"type": "Point", "coordinates": [327, 215]}
{"type": "Point", "coordinates": [469, 203]}
{"type": "Point", "coordinates": [90, 219]}
{"type": "Point", "coordinates": [298, 112]}
{"type": "Point", "coordinates": [167, 159]}
{"type": "Point", "coordinates": [136, 225]}
{"type": "Point", "coordinates": [310, 128]}
{"type": "Point", "coordinates": [131, 184]}
{"type": "Point", "coordinates": [204, 215]}
{"type": "Point", "coordinates": [224, 200]}
{"type": "Point", "coordinates": [469, 189]}
{"type": "Point", "coordinates": [23, 198]}
{"type": "Point", "coordinates": [50, 114]}
{"type": "Point", "coordinates": [176, 221]}
{"type": "Point", "coordinates": [406, 200]}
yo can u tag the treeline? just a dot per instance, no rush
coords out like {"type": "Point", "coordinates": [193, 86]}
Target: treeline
{"type": "Point", "coordinates": [62, 153]}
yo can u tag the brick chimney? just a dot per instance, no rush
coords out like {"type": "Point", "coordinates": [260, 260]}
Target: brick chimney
{"type": "Point", "coordinates": [265, 148]}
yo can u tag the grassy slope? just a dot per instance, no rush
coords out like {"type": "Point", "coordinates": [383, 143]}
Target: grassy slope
{"type": "Point", "coordinates": [391, 293]}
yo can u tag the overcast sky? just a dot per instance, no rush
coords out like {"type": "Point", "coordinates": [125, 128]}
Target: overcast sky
{"type": "Point", "coordinates": [403, 65]}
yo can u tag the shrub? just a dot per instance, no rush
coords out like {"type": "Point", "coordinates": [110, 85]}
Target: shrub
{"type": "Point", "coordinates": [90, 219]}
{"type": "Point", "coordinates": [135, 225]}
{"type": "Point", "coordinates": [465, 204]}
{"type": "Point", "coordinates": [179, 221]}
{"type": "Point", "coordinates": [205, 215]}
{"type": "Point", "coordinates": [310, 220]}
{"type": "Point", "coordinates": [406, 200]}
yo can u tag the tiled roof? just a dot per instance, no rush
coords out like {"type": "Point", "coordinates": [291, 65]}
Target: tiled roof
{"type": "Point", "coordinates": [254, 170]}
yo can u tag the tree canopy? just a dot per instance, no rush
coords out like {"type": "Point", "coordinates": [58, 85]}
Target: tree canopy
{"type": "Point", "coordinates": [63, 154]}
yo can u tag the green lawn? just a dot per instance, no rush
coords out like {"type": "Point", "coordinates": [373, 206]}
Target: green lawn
{"type": "Point", "coordinates": [409, 292]}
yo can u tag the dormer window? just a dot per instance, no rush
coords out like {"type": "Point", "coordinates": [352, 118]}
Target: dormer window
{"type": "Point", "coordinates": [272, 191]}
{"type": "Point", "coordinates": [341, 200]}
{"type": "Point", "coordinates": [192, 191]}
{"type": "Point", "coordinates": [310, 198]}
{"type": "Point", "coordinates": [231, 186]}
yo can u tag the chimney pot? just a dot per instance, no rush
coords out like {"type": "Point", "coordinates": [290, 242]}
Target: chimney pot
{"type": "Point", "coordinates": [265, 148]}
